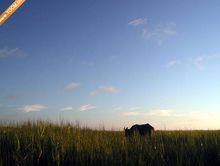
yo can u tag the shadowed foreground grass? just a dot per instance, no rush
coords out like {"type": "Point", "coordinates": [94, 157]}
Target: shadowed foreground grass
{"type": "Point", "coordinates": [44, 143]}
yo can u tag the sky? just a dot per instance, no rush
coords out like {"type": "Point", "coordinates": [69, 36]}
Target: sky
{"type": "Point", "coordinates": [112, 63]}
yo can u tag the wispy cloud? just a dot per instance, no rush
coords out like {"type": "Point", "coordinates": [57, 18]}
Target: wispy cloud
{"type": "Point", "coordinates": [169, 113]}
{"type": "Point", "coordinates": [173, 119]}
{"type": "Point", "coordinates": [199, 62]}
{"type": "Point", "coordinates": [137, 21]}
{"type": "Point", "coordinates": [118, 108]}
{"type": "Point", "coordinates": [104, 89]}
{"type": "Point", "coordinates": [173, 63]}
{"type": "Point", "coordinates": [33, 108]}
{"type": "Point", "coordinates": [71, 85]}
{"type": "Point", "coordinates": [160, 33]}
{"type": "Point", "coordinates": [131, 113]}
{"type": "Point", "coordinates": [201, 115]}
{"type": "Point", "coordinates": [134, 108]}
{"type": "Point", "coordinates": [108, 89]}
{"type": "Point", "coordinates": [161, 112]}
{"type": "Point", "coordinates": [87, 107]}
{"type": "Point", "coordinates": [11, 52]}
{"type": "Point", "coordinates": [131, 110]}
{"type": "Point", "coordinates": [67, 109]}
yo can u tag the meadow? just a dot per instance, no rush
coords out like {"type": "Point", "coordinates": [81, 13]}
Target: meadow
{"type": "Point", "coordinates": [45, 143]}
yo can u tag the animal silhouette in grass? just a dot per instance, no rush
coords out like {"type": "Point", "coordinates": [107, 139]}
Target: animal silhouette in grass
{"type": "Point", "coordinates": [142, 130]}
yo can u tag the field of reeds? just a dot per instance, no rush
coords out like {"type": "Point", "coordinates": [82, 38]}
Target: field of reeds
{"type": "Point", "coordinates": [44, 143]}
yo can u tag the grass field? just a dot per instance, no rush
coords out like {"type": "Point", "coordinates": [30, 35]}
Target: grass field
{"type": "Point", "coordinates": [44, 143]}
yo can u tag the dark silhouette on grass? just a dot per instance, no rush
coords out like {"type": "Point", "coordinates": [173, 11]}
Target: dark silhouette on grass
{"type": "Point", "coordinates": [142, 130]}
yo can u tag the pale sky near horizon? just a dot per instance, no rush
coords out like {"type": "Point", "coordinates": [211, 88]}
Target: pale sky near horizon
{"type": "Point", "coordinates": [112, 63]}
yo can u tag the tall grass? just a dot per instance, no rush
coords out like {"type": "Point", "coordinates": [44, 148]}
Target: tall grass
{"type": "Point", "coordinates": [44, 143]}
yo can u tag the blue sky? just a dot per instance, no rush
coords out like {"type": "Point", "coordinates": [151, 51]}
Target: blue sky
{"type": "Point", "coordinates": [112, 63]}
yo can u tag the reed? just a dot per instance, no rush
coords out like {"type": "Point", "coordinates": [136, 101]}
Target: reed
{"type": "Point", "coordinates": [45, 143]}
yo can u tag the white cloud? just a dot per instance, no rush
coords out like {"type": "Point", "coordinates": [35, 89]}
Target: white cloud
{"type": "Point", "coordinates": [137, 22]}
{"type": "Point", "coordinates": [195, 115]}
{"type": "Point", "coordinates": [131, 110]}
{"type": "Point", "coordinates": [173, 63]}
{"type": "Point", "coordinates": [86, 107]}
{"type": "Point", "coordinates": [169, 113]}
{"type": "Point", "coordinates": [67, 109]}
{"type": "Point", "coordinates": [108, 89]}
{"type": "Point", "coordinates": [134, 108]}
{"type": "Point", "coordinates": [33, 108]}
{"type": "Point", "coordinates": [118, 108]}
{"type": "Point", "coordinates": [199, 62]}
{"type": "Point", "coordinates": [199, 115]}
{"type": "Point", "coordinates": [198, 120]}
{"type": "Point", "coordinates": [131, 113]}
{"type": "Point", "coordinates": [94, 93]}
{"type": "Point", "coordinates": [71, 85]}
{"type": "Point", "coordinates": [160, 33]}
{"type": "Point", "coordinates": [172, 119]}
{"type": "Point", "coordinates": [159, 113]}
{"type": "Point", "coordinates": [104, 89]}
{"type": "Point", "coordinates": [162, 112]}
{"type": "Point", "coordinates": [11, 52]}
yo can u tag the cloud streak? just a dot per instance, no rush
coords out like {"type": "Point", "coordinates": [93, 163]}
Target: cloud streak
{"type": "Point", "coordinates": [11, 52]}
{"type": "Point", "coordinates": [158, 113]}
{"type": "Point", "coordinates": [161, 113]}
{"type": "Point", "coordinates": [160, 33]}
{"type": "Point", "coordinates": [190, 119]}
{"type": "Point", "coordinates": [199, 62]}
{"type": "Point", "coordinates": [33, 108]}
{"type": "Point", "coordinates": [173, 63]}
{"type": "Point", "coordinates": [71, 85]}
{"type": "Point", "coordinates": [87, 107]}
{"type": "Point", "coordinates": [137, 22]}
{"type": "Point", "coordinates": [104, 89]}
{"type": "Point", "coordinates": [131, 113]}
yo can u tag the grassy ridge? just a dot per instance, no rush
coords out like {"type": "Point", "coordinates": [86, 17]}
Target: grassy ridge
{"type": "Point", "coordinates": [45, 143]}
